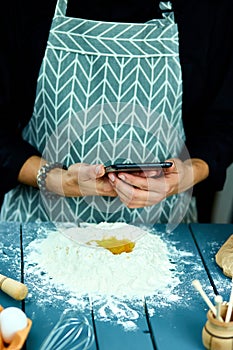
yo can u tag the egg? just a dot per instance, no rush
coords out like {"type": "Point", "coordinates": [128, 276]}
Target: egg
{"type": "Point", "coordinates": [12, 320]}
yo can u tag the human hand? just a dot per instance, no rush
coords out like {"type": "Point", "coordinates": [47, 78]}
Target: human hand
{"type": "Point", "coordinates": [143, 189]}
{"type": "Point", "coordinates": [80, 180]}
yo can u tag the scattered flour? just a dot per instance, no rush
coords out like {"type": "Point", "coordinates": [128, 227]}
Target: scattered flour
{"type": "Point", "coordinates": [115, 287]}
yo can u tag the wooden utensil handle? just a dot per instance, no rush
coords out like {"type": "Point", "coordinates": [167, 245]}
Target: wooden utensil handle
{"type": "Point", "coordinates": [13, 288]}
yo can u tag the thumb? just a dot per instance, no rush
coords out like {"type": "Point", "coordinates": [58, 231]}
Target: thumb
{"type": "Point", "coordinates": [99, 170]}
{"type": "Point", "coordinates": [173, 168]}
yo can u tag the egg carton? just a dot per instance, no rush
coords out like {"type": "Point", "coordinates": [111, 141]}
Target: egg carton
{"type": "Point", "coordinates": [19, 338]}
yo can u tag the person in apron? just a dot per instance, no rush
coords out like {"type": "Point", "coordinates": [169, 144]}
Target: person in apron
{"type": "Point", "coordinates": [107, 92]}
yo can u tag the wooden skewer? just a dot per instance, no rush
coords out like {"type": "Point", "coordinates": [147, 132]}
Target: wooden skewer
{"type": "Point", "coordinates": [198, 287]}
{"type": "Point", "coordinates": [230, 305]}
{"type": "Point", "coordinates": [218, 301]}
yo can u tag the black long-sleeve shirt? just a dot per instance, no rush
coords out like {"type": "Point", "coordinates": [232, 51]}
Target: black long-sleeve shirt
{"type": "Point", "coordinates": [206, 55]}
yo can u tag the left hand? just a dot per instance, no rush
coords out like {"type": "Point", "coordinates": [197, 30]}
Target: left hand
{"type": "Point", "coordinates": [143, 189]}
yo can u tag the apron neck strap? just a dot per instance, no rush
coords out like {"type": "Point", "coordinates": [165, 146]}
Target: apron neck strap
{"type": "Point", "coordinates": [61, 7]}
{"type": "Point", "coordinates": [165, 6]}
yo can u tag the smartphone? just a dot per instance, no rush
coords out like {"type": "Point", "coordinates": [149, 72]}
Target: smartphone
{"type": "Point", "coordinates": [130, 167]}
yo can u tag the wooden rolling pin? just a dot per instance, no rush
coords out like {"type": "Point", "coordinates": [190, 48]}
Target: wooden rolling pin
{"type": "Point", "coordinates": [13, 288]}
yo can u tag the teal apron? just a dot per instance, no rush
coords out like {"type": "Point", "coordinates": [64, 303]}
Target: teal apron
{"type": "Point", "coordinates": [106, 92]}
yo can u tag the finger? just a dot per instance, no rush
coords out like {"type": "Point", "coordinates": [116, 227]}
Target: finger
{"type": "Point", "coordinates": [90, 172]}
{"type": "Point", "coordinates": [144, 183]}
{"type": "Point", "coordinates": [134, 197]}
{"type": "Point", "coordinates": [148, 173]}
{"type": "Point", "coordinates": [99, 170]}
{"type": "Point", "coordinates": [158, 185]}
{"type": "Point", "coordinates": [140, 198]}
{"type": "Point", "coordinates": [173, 168]}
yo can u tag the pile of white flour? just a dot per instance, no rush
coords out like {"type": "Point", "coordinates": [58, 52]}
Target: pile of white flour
{"type": "Point", "coordinates": [90, 270]}
{"type": "Point", "coordinates": [67, 274]}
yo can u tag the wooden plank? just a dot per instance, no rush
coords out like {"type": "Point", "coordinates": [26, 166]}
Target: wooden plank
{"type": "Point", "coordinates": [115, 336]}
{"type": "Point", "coordinates": [43, 305]}
{"type": "Point", "coordinates": [178, 324]}
{"type": "Point", "coordinates": [209, 239]}
{"type": "Point", "coordinates": [10, 258]}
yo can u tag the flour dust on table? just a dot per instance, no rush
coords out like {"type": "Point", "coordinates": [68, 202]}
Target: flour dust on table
{"type": "Point", "coordinates": [115, 285]}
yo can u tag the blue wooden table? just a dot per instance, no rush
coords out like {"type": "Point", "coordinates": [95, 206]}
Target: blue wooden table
{"type": "Point", "coordinates": [175, 324]}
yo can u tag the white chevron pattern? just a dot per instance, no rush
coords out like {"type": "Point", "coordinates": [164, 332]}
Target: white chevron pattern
{"type": "Point", "coordinates": [106, 92]}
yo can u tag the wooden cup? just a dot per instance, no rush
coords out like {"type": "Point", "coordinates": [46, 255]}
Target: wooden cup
{"type": "Point", "coordinates": [217, 335]}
